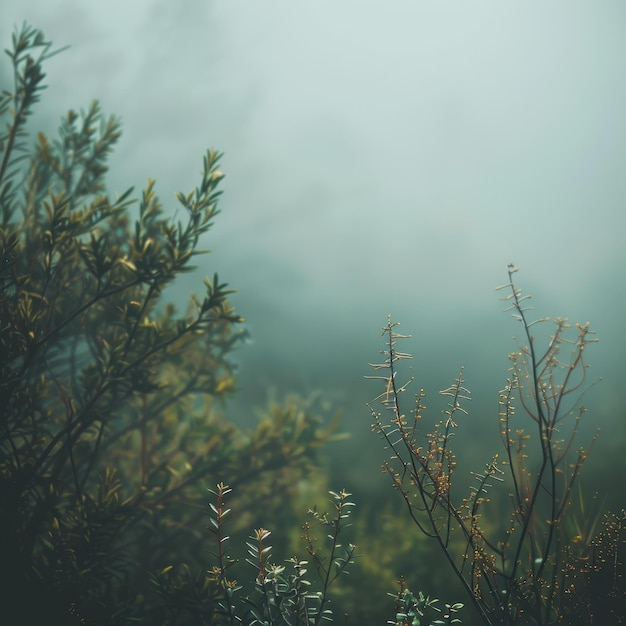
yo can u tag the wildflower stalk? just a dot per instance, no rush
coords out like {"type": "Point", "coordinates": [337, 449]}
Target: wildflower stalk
{"type": "Point", "coordinates": [519, 569]}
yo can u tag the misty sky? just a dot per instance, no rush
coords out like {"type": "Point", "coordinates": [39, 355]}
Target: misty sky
{"type": "Point", "coordinates": [380, 157]}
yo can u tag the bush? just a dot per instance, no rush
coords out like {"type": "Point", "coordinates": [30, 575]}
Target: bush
{"type": "Point", "coordinates": [109, 394]}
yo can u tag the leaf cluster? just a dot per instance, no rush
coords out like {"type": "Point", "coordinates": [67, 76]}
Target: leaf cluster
{"type": "Point", "coordinates": [266, 591]}
{"type": "Point", "coordinates": [411, 609]}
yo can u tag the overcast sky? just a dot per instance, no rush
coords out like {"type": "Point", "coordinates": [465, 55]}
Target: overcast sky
{"type": "Point", "coordinates": [380, 157]}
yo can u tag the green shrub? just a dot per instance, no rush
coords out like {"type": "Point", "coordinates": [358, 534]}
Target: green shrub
{"type": "Point", "coordinates": [281, 594]}
{"type": "Point", "coordinates": [109, 395]}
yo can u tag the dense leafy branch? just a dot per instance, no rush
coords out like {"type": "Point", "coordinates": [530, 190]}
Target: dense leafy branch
{"type": "Point", "coordinates": [109, 395]}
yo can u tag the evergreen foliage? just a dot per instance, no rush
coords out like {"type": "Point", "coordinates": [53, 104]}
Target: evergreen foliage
{"type": "Point", "coordinates": [109, 422]}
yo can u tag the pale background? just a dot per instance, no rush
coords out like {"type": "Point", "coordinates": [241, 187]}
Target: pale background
{"type": "Point", "coordinates": [380, 157]}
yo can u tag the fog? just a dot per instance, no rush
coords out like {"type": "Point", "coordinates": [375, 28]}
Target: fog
{"type": "Point", "coordinates": [380, 158]}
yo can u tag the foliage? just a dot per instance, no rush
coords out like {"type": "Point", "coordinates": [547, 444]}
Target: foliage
{"type": "Point", "coordinates": [111, 427]}
{"type": "Point", "coordinates": [280, 594]}
{"type": "Point", "coordinates": [536, 568]}
{"type": "Point", "coordinates": [285, 594]}
{"type": "Point", "coordinates": [388, 549]}
{"type": "Point", "coordinates": [108, 394]}
{"type": "Point", "coordinates": [411, 609]}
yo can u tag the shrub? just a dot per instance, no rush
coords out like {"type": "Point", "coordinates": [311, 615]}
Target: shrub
{"type": "Point", "coordinates": [542, 565]}
{"type": "Point", "coordinates": [109, 395]}
{"type": "Point", "coordinates": [281, 594]}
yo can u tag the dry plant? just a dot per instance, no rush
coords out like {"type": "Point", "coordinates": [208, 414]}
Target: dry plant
{"type": "Point", "coordinates": [534, 568]}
